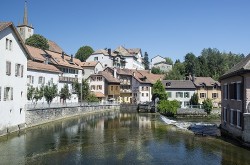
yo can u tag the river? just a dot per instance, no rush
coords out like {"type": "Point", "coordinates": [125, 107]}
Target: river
{"type": "Point", "coordinates": [117, 138]}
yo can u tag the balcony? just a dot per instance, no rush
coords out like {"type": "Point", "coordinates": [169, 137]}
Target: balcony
{"type": "Point", "coordinates": [67, 79]}
{"type": "Point", "coordinates": [126, 91]}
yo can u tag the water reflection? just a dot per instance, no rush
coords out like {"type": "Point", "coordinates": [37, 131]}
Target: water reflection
{"type": "Point", "coordinates": [114, 137]}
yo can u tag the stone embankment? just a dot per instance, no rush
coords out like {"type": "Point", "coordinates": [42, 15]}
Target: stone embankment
{"type": "Point", "coordinates": [195, 112]}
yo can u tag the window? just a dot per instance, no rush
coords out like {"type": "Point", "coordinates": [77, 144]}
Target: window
{"type": "Point", "coordinates": [95, 58]}
{"type": "Point", "coordinates": [168, 84]}
{"type": "Point", "coordinates": [142, 94]}
{"type": "Point", "coordinates": [30, 79]}
{"type": "Point", "coordinates": [214, 95]}
{"type": "Point", "coordinates": [146, 88]}
{"type": "Point", "coordinates": [7, 44]}
{"type": "Point", "coordinates": [169, 94]}
{"type": "Point", "coordinates": [225, 91]}
{"type": "Point", "coordinates": [10, 45]}
{"type": "Point", "coordinates": [111, 88]}
{"type": "Point", "coordinates": [99, 87]}
{"type": "Point", "coordinates": [186, 103]}
{"type": "Point", "coordinates": [116, 88]}
{"type": "Point", "coordinates": [8, 68]}
{"type": "Point", "coordinates": [147, 94]}
{"type": "Point", "coordinates": [17, 70]}
{"type": "Point", "coordinates": [8, 93]}
{"type": "Point", "coordinates": [202, 95]}
{"type": "Point", "coordinates": [92, 87]}
{"type": "Point", "coordinates": [142, 88]}
{"type": "Point", "coordinates": [41, 80]}
{"type": "Point", "coordinates": [179, 94]}
{"type": "Point", "coordinates": [235, 91]}
{"type": "Point", "coordinates": [186, 95]}
{"type": "Point", "coordinates": [225, 114]}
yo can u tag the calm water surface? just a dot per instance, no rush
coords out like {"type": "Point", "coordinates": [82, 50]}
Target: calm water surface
{"type": "Point", "coordinates": [117, 138]}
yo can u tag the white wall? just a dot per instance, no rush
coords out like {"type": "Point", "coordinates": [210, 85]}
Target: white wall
{"type": "Point", "coordinates": [10, 111]}
{"type": "Point", "coordinates": [92, 70]}
{"type": "Point", "coordinates": [181, 99]}
{"type": "Point", "coordinates": [156, 60]}
{"type": "Point", "coordinates": [104, 60]}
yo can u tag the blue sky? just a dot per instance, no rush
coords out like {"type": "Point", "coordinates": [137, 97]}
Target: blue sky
{"type": "Point", "coordinates": [170, 28]}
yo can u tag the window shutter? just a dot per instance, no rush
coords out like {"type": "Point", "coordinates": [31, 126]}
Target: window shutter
{"type": "Point", "coordinates": [5, 94]}
{"type": "Point", "coordinates": [16, 70]}
{"type": "Point", "coordinates": [11, 97]}
{"type": "Point", "coordinates": [21, 70]}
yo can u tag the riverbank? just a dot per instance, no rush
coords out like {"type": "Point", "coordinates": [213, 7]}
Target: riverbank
{"type": "Point", "coordinates": [39, 116]}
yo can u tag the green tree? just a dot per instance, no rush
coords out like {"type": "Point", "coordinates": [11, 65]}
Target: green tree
{"type": "Point", "coordinates": [194, 99]}
{"type": "Point", "coordinates": [177, 72]}
{"type": "Point", "coordinates": [169, 61]}
{"type": "Point", "coordinates": [50, 92]}
{"type": "Point", "coordinates": [191, 65]}
{"type": "Point", "coordinates": [37, 41]}
{"type": "Point", "coordinates": [159, 91]}
{"type": "Point", "coordinates": [85, 90]}
{"type": "Point", "coordinates": [83, 53]}
{"type": "Point", "coordinates": [168, 108]}
{"type": "Point", "coordinates": [208, 105]}
{"type": "Point", "coordinates": [156, 70]}
{"type": "Point", "coordinates": [64, 93]}
{"type": "Point", "coordinates": [92, 98]}
{"type": "Point", "coordinates": [35, 94]}
{"type": "Point", "coordinates": [146, 62]}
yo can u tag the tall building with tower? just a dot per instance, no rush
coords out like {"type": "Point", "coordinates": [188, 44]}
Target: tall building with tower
{"type": "Point", "coordinates": [25, 30]}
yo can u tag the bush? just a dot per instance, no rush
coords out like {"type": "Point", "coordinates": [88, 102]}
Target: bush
{"type": "Point", "coordinates": [208, 105]}
{"type": "Point", "coordinates": [168, 108]}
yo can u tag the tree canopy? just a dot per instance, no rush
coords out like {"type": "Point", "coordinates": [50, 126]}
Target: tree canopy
{"type": "Point", "coordinates": [37, 41]}
{"type": "Point", "coordinates": [159, 91]}
{"type": "Point", "coordinates": [83, 53]}
{"type": "Point", "coordinates": [210, 63]}
{"type": "Point", "coordinates": [146, 62]}
{"type": "Point", "coordinates": [169, 61]}
{"type": "Point", "coordinates": [64, 93]}
{"type": "Point", "coordinates": [50, 92]}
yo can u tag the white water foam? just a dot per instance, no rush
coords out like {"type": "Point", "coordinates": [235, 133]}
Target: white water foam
{"type": "Point", "coordinates": [181, 125]}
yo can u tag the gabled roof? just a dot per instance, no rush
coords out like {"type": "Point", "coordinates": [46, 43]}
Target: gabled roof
{"type": "Point", "coordinates": [157, 56]}
{"type": "Point", "coordinates": [36, 53]}
{"type": "Point", "coordinates": [149, 77]}
{"type": "Point", "coordinates": [178, 84]}
{"type": "Point", "coordinates": [54, 47]}
{"type": "Point", "coordinates": [207, 81]}
{"type": "Point", "coordinates": [32, 65]}
{"type": "Point", "coordinates": [89, 64]}
{"type": "Point", "coordinates": [127, 52]}
{"type": "Point", "coordinates": [242, 66]}
{"type": "Point", "coordinates": [104, 52]}
{"type": "Point", "coordinates": [109, 77]}
{"type": "Point", "coordinates": [4, 25]}
{"type": "Point", "coordinates": [98, 94]}
{"type": "Point", "coordinates": [57, 59]}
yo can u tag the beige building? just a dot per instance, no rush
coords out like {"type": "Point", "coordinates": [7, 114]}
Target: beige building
{"type": "Point", "coordinates": [206, 87]}
{"type": "Point", "coordinates": [235, 107]}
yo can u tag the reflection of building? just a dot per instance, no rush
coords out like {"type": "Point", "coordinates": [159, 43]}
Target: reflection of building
{"type": "Point", "coordinates": [206, 87]}
{"type": "Point", "coordinates": [235, 107]}
{"type": "Point", "coordinates": [180, 90]}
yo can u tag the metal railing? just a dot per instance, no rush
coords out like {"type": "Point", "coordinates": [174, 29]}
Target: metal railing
{"type": "Point", "coordinates": [33, 106]}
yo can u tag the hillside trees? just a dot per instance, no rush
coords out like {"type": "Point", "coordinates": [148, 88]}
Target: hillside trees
{"type": "Point", "coordinates": [146, 61]}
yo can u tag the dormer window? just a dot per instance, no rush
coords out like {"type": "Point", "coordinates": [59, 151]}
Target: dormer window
{"type": "Point", "coordinates": [168, 84]}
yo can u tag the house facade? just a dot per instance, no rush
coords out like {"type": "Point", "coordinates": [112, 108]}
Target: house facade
{"type": "Point", "coordinates": [90, 68]}
{"type": "Point", "coordinates": [208, 88]}
{"type": "Point", "coordinates": [120, 58]}
{"type": "Point", "coordinates": [180, 90]}
{"type": "Point", "coordinates": [13, 74]}
{"type": "Point", "coordinates": [163, 66]}
{"type": "Point", "coordinates": [235, 107]}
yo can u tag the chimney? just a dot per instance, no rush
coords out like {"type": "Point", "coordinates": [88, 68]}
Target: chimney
{"type": "Point", "coordinates": [109, 52]}
{"type": "Point", "coordinates": [62, 55]}
{"type": "Point", "coordinates": [71, 59]}
{"type": "Point", "coordinates": [115, 75]}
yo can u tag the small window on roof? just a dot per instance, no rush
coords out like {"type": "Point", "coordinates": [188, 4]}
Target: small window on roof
{"type": "Point", "coordinates": [168, 84]}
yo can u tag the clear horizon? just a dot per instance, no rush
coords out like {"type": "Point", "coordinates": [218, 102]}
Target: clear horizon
{"type": "Point", "coordinates": [170, 28]}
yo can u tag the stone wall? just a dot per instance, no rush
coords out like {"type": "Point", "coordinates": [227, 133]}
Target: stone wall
{"type": "Point", "coordinates": [41, 116]}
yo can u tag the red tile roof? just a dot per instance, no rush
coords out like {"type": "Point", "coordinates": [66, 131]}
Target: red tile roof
{"type": "Point", "coordinates": [32, 65]}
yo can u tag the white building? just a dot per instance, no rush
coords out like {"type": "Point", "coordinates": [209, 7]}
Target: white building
{"type": "Point", "coordinates": [180, 90]}
{"type": "Point", "coordinates": [13, 74]}
{"type": "Point", "coordinates": [157, 59]}
{"type": "Point", "coordinates": [90, 68]}
{"type": "Point", "coordinates": [97, 86]}
{"type": "Point", "coordinates": [163, 66]}
{"type": "Point", "coordinates": [120, 58]}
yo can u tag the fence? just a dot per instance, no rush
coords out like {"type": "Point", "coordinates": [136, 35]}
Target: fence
{"type": "Point", "coordinates": [33, 106]}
